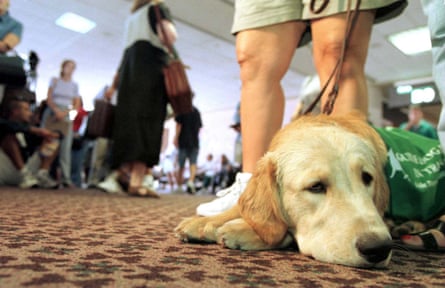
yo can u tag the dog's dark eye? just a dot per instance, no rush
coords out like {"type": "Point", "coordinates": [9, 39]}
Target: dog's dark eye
{"type": "Point", "coordinates": [317, 188]}
{"type": "Point", "coordinates": [366, 178]}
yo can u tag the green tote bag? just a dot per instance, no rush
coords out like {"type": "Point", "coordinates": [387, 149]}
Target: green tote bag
{"type": "Point", "coordinates": [415, 172]}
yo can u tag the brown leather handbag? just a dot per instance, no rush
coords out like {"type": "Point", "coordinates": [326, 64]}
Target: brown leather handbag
{"type": "Point", "coordinates": [177, 85]}
{"type": "Point", "coordinates": [100, 122]}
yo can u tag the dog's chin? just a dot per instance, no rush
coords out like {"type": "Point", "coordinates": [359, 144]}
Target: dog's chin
{"type": "Point", "coordinates": [351, 258]}
{"type": "Point", "coordinates": [359, 263]}
{"type": "Point", "coordinates": [379, 265]}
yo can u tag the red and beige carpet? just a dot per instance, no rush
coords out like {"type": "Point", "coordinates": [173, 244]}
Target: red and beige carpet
{"type": "Point", "coordinates": [85, 238]}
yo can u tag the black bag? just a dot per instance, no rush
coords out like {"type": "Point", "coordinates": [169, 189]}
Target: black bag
{"type": "Point", "coordinates": [100, 123]}
{"type": "Point", "coordinates": [12, 71]}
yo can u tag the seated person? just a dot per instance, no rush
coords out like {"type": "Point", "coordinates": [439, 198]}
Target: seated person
{"type": "Point", "coordinates": [208, 172]}
{"type": "Point", "coordinates": [20, 166]}
{"type": "Point", "coordinates": [225, 169]}
{"type": "Point", "coordinates": [417, 124]}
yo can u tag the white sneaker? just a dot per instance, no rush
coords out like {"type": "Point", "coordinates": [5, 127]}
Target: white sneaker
{"type": "Point", "coordinates": [191, 187]}
{"type": "Point", "coordinates": [28, 180]}
{"type": "Point", "coordinates": [178, 190]}
{"type": "Point", "coordinates": [110, 184]}
{"type": "Point", "coordinates": [227, 198]}
{"type": "Point", "coordinates": [148, 182]}
{"type": "Point", "coordinates": [45, 181]}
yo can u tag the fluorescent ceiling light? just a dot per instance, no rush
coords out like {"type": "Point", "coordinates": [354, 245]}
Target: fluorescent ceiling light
{"type": "Point", "coordinates": [413, 41]}
{"type": "Point", "coordinates": [425, 95]}
{"type": "Point", "coordinates": [75, 23]}
{"type": "Point", "coordinates": [405, 89]}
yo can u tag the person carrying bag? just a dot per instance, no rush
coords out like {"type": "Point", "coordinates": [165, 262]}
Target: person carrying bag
{"type": "Point", "coordinates": [141, 100]}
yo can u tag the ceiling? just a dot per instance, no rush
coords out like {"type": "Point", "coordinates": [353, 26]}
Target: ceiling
{"type": "Point", "coordinates": [205, 44]}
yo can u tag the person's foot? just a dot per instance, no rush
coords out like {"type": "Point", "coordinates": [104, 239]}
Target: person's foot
{"type": "Point", "coordinates": [227, 198]}
{"type": "Point", "coordinates": [110, 184]}
{"type": "Point", "coordinates": [191, 189]}
{"type": "Point", "coordinates": [143, 191]}
{"type": "Point", "coordinates": [28, 180]}
{"type": "Point", "coordinates": [178, 190]}
{"type": "Point", "coordinates": [68, 184]}
{"type": "Point", "coordinates": [430, 240]}
{"type": "Point", "coordinates": [45, 180]}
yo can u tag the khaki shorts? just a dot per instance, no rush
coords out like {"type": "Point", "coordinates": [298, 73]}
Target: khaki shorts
{"type": "Point", "coordinates": [9, 175]}
{"type": "Point", "coordinates": [251, 14]}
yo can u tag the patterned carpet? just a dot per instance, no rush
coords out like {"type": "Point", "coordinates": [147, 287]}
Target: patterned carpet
{"type": "Point", "coordinates": [85, 238]}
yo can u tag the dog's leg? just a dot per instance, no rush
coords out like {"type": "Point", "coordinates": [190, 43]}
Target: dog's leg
{"type": "Point", "coordinates": [238, 234]}
{"type": "Point", "coordinates": [204, 228]}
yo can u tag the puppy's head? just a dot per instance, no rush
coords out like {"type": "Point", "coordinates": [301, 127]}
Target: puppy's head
{"type": "Point", "coordinates": [323, 181]}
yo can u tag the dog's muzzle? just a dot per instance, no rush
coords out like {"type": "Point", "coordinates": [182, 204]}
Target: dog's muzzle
{"type": "Point", "coordinates": [373, 249]}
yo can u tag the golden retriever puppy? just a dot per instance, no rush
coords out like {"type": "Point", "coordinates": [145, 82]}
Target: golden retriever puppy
{"type": "Point", "coordinates": [321, 184]}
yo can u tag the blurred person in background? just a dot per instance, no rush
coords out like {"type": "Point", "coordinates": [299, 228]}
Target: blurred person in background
{"type": "Point", "coordinates": [10, 29]}
{"type": "Point", "coordinates": [417, 124]}
{"type": "Point", "coordinates": [25, 160]}
{"type": "Point", "coordinates": [141, 101]}
{"type": "Point", "coordinates": [79, 146]}
{"type": "Point", "coordinates": [63, 97]}
{"type": "Point", "coordinates": [10, 35]}
{"type": "Point", "coordinates": [187, 141]}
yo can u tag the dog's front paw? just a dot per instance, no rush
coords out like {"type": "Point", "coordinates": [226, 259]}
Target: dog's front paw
{"type": "Point", "coordinates": [237, 234]}
{"type": "Point", "coordinates": [200, 229]}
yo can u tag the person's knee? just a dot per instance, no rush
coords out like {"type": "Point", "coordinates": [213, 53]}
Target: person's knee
{"type": "Point", "coordinates": [249, 64]}
{"type": "Point", "coordinates": [255, 65]}
{"type": "Point", "coordinates": [330, 53]}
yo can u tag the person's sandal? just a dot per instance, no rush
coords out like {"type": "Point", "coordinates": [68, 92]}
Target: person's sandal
{"type": "Point", "coordinates": [135, 187]}
{"type": "Point", "coordinates": [429, 242]}
{"type": "Point", "coordinates": [144, 192]}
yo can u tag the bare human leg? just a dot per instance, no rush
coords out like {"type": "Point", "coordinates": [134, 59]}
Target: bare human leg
{"type": "Point", "coordinates": [328, 34]}
{"type": "Point", "coordinates": [264, 55]}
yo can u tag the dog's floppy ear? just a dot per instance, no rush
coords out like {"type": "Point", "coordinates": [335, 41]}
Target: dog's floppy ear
{"type": "Point", "coordinates": [381, 196]}
{"type": "Point", "coordinates": [260, 204]}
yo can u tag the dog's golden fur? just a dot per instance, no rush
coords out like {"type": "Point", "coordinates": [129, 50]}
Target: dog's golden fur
{"type": "Point", "coordinates": [322, 184]}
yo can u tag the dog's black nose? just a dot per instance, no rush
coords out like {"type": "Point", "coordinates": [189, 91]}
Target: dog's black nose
{"type": "Point", "coordinates": [374, 250]}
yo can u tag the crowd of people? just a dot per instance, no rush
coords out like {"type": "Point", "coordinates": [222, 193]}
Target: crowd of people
{"type": "Point", "coordinates": [55, 159]}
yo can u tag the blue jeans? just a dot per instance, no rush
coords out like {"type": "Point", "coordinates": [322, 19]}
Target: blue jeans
{"type": "Point", "coordinates": [77, 163]}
